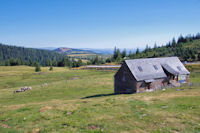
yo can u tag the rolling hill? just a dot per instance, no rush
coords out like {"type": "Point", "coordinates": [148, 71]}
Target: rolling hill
{"type": "Point", "coordinates": [100, 51]}
{"type": "Point", "coordinates": [13, 55]}
{"type": "Point", "coordinates": [67, 51]}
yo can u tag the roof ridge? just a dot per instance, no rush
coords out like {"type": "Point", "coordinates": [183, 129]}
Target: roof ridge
{"type": "Point", "coordinates": [149, 71]}
{"type": "Point", "coordinates": [152, 58]}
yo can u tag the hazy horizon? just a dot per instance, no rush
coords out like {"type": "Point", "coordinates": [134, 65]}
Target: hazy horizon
{"type": "Point", "coordinates": [96, 24]}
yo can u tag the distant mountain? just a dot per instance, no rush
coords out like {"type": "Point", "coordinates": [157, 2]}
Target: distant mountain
{"type": "Point", "coordinates": [108, 51]}
{"type": "Point", "coordinates": [100, 51]}
{"type": "Point", "coordinates": [62, 50]}
{"type": "Point", "coordinates": [48, 48]}
{"type": "Point", "coordinates": [67, 51]}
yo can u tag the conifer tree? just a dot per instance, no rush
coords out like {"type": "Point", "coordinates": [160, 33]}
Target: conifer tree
{"type": "Point", "coordinates": [115, 53]}
{"type": "Point", "coordinates": [173, 42]}
{"type": "Point", "coordinates": [51, 68]}
{"type": "Point", "coordinates": [199, 57]}
{"type": "Point", "coordinates": [37, 67]}
{"type": "Point", "coordinates": [123, 53]}
{"type": "Point", "coordinates": [137, 51]}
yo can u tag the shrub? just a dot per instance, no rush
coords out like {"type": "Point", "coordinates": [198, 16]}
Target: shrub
{"type": "Point", "coordinates": [37, 67]}
{"type": "Point", "coordinates": [51, 68]}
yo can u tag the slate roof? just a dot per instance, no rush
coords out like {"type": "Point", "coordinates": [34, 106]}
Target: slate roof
{"type": "Point", "coordinates": [149, 72]}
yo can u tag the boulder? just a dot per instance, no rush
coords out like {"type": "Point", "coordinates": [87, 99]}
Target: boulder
{"type": "Point", "coordinates": [43, 85]}
{"type": "Point", "coordinates": [23, 89]}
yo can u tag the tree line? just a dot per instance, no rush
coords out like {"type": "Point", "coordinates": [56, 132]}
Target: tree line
{"type": "Point", "coordinates": [14, 56]}
{"type": "Point", "coordinates": [186, 48]}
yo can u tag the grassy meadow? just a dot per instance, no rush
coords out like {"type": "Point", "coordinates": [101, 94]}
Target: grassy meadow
{"type": "Point", "coordinates": [83, 101]}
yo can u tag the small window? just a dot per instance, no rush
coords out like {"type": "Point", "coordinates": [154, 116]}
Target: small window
{"type": "Point", "coordinates": [140, 68]}
{"type": "Point", "coordinates": [124, 78]}
{"type": "Point", "coordinates": [179, 68]}
{"type": "Point", "coordinates": [155, 67]}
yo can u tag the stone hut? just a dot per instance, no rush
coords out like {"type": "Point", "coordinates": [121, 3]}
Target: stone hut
{"type": "Point", "coordinates": [140, 75]}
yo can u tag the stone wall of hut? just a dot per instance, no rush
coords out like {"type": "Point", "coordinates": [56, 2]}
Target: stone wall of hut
{"type": "Point", "coordinates": [155, 85]}
{"type": "Point", "coordinates": [124, 82]}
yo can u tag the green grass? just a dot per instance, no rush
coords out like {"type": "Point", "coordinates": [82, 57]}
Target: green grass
{"type": "Point", "coordinates": [83, 101]}
{"type": "Point", "coordinates": [195, 75]}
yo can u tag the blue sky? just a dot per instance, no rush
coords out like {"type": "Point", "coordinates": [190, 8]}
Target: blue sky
{"type": "Point", "coordinates": [96, 23]}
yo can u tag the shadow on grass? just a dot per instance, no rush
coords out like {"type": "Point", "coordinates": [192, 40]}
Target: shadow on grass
{"type": "Point", "coordinates": [99, 95]}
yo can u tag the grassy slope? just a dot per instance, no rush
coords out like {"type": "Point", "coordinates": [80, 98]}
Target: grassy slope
{"type": "Point", "coordinates": [72, 103]}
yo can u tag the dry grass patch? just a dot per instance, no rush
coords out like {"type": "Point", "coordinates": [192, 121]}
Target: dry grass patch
{"type": "Point", "coordinates": [37, 130]}
{"type": "Point", "coordinates": [13, 107]}
{"type": "Point", "coordinates": [45, 108]}
{"type": "Point", "coordinates": [4, 125]}
{"type": "Point", "coordinates": [169, 95]}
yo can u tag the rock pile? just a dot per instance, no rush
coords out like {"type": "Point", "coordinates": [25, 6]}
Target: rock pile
{"type": "Point", "coordinates": [23, 89]}
{"type": "Point", "coordinates": [43, 85]}
{"type": "Point", "coordinates": [174, 83]}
